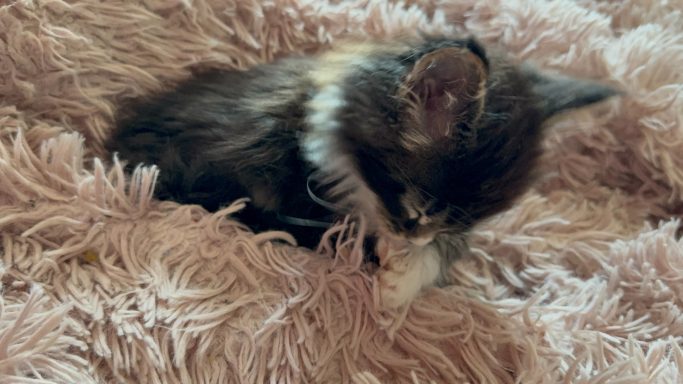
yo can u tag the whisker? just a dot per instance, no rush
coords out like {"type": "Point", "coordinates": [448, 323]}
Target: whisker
{"type": "Point", "coordinates": [461, 212]}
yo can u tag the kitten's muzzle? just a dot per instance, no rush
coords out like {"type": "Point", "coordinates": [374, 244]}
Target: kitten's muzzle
{"type": "Point", "coordinates": [422, 240]}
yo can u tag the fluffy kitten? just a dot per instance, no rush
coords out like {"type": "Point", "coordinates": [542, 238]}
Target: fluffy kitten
{"type": "Point", "coordinates": [422, 138]}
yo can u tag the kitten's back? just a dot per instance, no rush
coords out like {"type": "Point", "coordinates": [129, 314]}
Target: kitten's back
{"type": "Point", "coordinates": [207, 133]}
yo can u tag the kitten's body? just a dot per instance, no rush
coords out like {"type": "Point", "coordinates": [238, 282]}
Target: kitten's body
{"type": "Point", "coordinates": [226, 135]}
{"type": "Point", "coordinates": [424, 139]}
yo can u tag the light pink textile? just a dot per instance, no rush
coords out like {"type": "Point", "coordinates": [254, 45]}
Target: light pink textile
{"type": "Point", "coordinates": [581, 282]}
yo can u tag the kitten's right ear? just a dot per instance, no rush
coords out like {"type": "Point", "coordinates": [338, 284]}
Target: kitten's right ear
{"type": "Point", "coordinates": [559, 93]}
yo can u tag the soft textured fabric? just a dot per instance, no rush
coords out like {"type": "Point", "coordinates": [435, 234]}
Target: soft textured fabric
{"type": "Point", "coordinates": [580, 282]}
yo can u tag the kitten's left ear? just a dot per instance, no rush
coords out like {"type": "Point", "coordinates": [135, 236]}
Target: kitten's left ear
{"type": "Point", "coordinates": [445, 87]}
{"type": "Point", "coordinates": [562, 93]}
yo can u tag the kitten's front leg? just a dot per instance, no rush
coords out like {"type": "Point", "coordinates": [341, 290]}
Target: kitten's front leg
{"type": "Point", "coordinates": [405, 271]}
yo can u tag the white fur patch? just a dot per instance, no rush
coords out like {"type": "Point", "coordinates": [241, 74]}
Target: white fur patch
{"type": "Point", "coordinates": [406, 275]}
{"type": "Point", "coordinates": [422, 241]}
{"type": "Point", "coordinates": [321, 148]}
{"type": "Point", "coordinates": [319, 143]}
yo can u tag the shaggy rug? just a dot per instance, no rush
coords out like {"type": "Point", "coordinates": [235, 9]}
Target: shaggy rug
{"type": "Point", "coordinates": [580, 282]}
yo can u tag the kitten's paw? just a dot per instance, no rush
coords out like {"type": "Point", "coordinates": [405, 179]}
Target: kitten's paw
{"type": "Point", "coordinates": [402, 279]}
{"type": "Point", "coordinates": [397, 288]}
{"type": "Point", "coordinates": [389, 251]}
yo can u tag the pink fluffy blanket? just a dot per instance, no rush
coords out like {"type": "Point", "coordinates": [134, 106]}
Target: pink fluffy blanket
{"type": "Point", "coordinates": [581, 282]}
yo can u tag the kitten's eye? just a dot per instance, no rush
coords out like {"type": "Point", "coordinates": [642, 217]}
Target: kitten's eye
{"type": "Point", "coordinates": [434, 208]}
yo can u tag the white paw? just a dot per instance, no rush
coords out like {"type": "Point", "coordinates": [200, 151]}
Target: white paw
{"type": "Point", "coordinates": [396, 290]}
{"type": "Point", "coordinates": [402, 279]}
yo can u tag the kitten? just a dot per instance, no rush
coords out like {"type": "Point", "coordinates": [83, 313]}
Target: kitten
{"type": "Point", "coordinates": [422, 138]}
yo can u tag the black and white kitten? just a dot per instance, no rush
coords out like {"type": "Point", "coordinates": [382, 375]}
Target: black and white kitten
{"type": "Point", "coordinates": [422, 138]}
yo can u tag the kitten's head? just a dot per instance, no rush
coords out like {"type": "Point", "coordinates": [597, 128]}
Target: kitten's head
{"type": "Point", "coordinates": [435, 136]}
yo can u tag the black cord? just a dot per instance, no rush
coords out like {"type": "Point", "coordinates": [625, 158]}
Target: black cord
{"type": "Point", "coordinates": [315, 223]}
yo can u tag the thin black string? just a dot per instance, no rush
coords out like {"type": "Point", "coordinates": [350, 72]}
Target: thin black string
{"type": "Point", "coordinates": [332, 207]}
{"type": "Point", "coordinates": [315, 223]}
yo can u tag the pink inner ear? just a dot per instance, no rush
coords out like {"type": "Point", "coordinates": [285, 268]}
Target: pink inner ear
{"type": "Point", "coordinates": [446, 83]}
{"type": "Point", "coordinates": [435, 120]}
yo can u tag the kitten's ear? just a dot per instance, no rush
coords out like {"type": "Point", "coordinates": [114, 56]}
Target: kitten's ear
{"type": "Point", "coordinates": [562, 93]}
{"type": "Point", "coordinates": [445, 87]}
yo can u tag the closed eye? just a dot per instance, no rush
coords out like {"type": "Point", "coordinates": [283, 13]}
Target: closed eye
{"type": "Point", "coordinates": [433, 209]}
